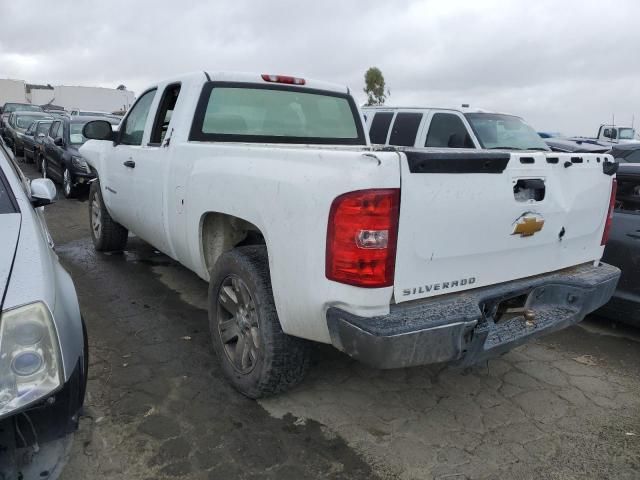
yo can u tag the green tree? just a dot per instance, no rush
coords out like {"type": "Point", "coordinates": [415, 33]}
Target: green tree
{"type": "Point", "coordinates": [375, 87]}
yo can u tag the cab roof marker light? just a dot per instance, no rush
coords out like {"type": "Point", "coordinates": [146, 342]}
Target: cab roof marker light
{"type": "Point", "coordinates": [283, 79]}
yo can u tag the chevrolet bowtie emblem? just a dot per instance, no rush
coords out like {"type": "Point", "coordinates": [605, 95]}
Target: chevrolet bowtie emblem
{"type": "Point", "coordinates": [527, 225]}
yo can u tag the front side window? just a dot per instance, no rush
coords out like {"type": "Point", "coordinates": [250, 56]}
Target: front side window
{"type": "Point", "coordinates": [6, 196]}
{"type": "Point", "coordinates": [497, 131]}
{"type": "Point", "coordinates": [75, 134]}
{"type": "Point", "coordinates": [133, 129]}
{"type": "Point", "coordinates": [380, 127]}
{"type": "Point", "coordinates": [276, 114]}
{"type": "Point", "coordinates": [405, 129]}
{"type": "Point", "coordinates": [43, 127]}
{"type": "Point", "coordinates": [53, 133]}
{"type": "Point", "coordinates": [448, 131]}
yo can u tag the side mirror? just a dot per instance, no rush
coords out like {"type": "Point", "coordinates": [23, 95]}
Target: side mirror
{"type": "Point", "coordinates": [98, 130]}
{"type": "Point", "coordinates": [43, 192]}
{"type": "Point", "coordinates": [58, 141]}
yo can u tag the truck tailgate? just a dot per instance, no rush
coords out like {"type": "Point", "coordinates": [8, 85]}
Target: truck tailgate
{"type": "Point", "coordinates": [473, 219]}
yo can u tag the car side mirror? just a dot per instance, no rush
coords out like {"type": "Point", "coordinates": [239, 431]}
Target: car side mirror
{"type": "Point", "coordinates": [58, 141]}
{"type": "Point", "coordinates": [43, 192]}
{"type": "Point", "coordinates": [98, 130]}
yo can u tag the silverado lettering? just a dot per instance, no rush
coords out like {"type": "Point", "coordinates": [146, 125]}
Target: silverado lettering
{"type": "Point", "coordinates": [439, 286]}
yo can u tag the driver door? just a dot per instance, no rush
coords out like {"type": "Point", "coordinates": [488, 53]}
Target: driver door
{"type": "Point", "coordinates": [119, 186]}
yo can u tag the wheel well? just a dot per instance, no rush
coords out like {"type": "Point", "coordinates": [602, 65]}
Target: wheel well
{"type": "Point", "coordinates": [221, 232]}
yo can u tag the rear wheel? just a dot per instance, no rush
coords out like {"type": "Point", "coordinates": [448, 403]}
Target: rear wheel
{"type": "Point", "coordinates": [257, 357]}
{"type": "Point", "coordinates": [107, 234]}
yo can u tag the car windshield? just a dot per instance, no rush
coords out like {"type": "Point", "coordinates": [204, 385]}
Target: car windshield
{"type": "Point", "coordinates": [498, 131]}
{"type": "Point", "coordinates": [278, 115]}
{"type": "Point", "coordinates": [15, 107]}
{"type": "Point", "coordinates": [24, 121]}
{"type": "Point", "coordinates": [75, 133]}
{"type": "Point", "coordinates": [626, 133]}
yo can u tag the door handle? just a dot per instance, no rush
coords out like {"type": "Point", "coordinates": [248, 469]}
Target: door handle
{"type": "Point", "coordinates": [130, 164]}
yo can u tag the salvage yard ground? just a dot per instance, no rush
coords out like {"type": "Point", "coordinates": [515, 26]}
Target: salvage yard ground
{"type": "Point", "coordinates": [566, 406]}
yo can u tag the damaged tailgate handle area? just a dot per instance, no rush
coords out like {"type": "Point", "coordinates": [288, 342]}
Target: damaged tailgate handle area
{"type": "Point", "coordinates": [526, 189]}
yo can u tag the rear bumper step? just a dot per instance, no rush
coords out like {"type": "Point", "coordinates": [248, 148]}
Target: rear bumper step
{"type": "Point", "coordinates": [461, 327]}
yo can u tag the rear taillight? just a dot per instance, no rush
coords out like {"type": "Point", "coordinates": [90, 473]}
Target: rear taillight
{"type": "Point", "coordinates": [612, 204]}
{"type": "Point", "coordinates": [361, 238]}
{"type": "Point", "coordinates": [283, 79]}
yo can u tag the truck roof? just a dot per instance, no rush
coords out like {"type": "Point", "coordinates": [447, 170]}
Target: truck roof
{"type": "Point", "coordinates": [248, 77]}
{"type": "Point", "coordinates": [455, 109]}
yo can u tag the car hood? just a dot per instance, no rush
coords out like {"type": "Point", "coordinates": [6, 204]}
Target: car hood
{"type": "Point", "coordinates": [10, 228]}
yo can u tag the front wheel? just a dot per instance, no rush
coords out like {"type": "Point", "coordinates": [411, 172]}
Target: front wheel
{"type": "Point", "coordinates": [257, 357]}
{"type": "Point", "coordinates": [107, 234]}
{"type": "Point", "coordinates": [67, 184]}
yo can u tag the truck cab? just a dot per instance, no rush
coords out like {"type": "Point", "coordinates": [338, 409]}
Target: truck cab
{"type": "Point", "coordinates": [611, 134]}
{"type": "Point", "coordinates": [463, 128]}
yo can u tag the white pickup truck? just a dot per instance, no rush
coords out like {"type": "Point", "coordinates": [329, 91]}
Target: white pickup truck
{"type": "Point", "coordinates": [266, 186]}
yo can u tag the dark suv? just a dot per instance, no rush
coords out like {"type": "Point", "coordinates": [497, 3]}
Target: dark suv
{"type": "Point", "coordinates": [61, 160]}
{"type": "Point", "coordinates": [17, 126]}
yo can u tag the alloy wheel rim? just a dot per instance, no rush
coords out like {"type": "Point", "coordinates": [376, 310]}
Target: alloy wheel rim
{"type": "Point", "coordinates": [96, 217]}
{"type": "Point", "coordinates": [67, 182]}
{"type": "Point", "coordinates": [238, 324]}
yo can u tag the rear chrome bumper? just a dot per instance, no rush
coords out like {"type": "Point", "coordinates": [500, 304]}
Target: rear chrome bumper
{"type": "Point", "coordinates": [461, 328]}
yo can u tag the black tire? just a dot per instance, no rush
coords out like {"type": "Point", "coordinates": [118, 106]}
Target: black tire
{"type": "Point", "coordinates": [111, 236]}
{"type": "Point", "coordinates": [281, 361]}
{"type": "Point", "coordinates": [68, 188]}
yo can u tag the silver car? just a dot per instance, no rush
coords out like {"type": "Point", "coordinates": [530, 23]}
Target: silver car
{"type": "Point", "coordinates": [43, 343]}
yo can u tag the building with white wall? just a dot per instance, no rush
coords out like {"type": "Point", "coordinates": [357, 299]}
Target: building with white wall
{"type": "Point", "coordinates": [68, 97]}
{"type": "Point", "coordinates": [12, 91]}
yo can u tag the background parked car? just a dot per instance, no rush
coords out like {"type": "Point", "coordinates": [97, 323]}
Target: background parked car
{"type": "Point", "coordinates": [33, 137]}
{"type": "Point", "coordinates": [9, 108]}
{"type": "Point", "coordinates": [61, 160]}
{"type": "Point", "coordinates": [623, 248]}
{"type": "Point", "coordinates": [575, 146]}
{"type": "Point", "coordinates": [43, 343]}
{"type": "Point", "coordinates": [626, 153]}
{"type": "Point", "coordinates": [16, 127]}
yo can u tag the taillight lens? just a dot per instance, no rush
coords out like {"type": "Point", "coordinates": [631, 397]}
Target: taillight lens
{"type": "Point", "coordinates": [362, 236]}
{"type": "Point", "coordinates": [612, 204]}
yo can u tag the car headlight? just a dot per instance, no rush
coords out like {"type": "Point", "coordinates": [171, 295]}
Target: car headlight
{"type": "Point", "coordinates": [80, 163]}
{"type": "Point", "coordinates": [30, 367]}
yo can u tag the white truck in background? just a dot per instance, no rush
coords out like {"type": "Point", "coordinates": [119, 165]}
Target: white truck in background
{"type": "Point", "coordinates": [267, 187]}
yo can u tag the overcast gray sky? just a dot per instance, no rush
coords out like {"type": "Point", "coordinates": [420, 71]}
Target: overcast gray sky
{"type": "Point", "coordinates": [563, 65]}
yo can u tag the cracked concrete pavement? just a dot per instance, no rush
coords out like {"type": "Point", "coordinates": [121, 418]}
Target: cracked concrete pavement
{"type": "Point", "coordinates": [566, 406]}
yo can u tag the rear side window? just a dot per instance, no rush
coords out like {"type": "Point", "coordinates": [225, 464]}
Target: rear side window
{"type": "Point", "coordinates": [380, 127]}
{"type": "Point", "coordinates": [448, 131]}
{"type": "Point", "coordinates": [633, 157]}
{"type": "Point", "coordinates": [237, 112]}
{"type": "Point", "coordinates": [628, 194]}
{"type": "Point", "coordinates": [405, 129]}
